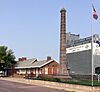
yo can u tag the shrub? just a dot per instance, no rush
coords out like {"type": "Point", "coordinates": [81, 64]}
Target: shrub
{"type": "Point", "coordinates": [48, 79]}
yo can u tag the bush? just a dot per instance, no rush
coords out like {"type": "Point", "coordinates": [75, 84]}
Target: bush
{"type": "Point", "coordinates": [48, 79]}
{"type": "Point", "coordinates": [56, 80]}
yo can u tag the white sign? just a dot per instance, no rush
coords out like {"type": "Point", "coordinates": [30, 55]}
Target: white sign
{"type": "Point", "coordinates": [78, 48]}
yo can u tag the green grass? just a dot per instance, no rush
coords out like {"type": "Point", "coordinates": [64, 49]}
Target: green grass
{"type": "Point", "coordinates": [85, 83]}
{"type": "Point", "coordinates": [76, 82]}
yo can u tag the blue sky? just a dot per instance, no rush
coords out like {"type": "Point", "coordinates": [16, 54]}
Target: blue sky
{"type": "Point", "coordinates": [31, 28]}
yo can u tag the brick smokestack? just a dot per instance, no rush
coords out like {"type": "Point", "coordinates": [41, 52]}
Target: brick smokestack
{"type": "Point", "coordinates": [63, 58]}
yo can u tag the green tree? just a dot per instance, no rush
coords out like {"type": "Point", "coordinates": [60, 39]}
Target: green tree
{"type": "Point", "coordinates": [7, 58]}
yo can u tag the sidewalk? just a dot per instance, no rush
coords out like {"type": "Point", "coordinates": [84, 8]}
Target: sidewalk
{"type": "Point", "coordinates": [63, 86]}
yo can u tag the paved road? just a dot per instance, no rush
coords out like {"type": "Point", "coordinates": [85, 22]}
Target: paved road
{"type": "Point", "coordinates": [6, 86]}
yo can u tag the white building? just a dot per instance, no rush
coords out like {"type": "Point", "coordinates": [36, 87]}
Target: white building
{"type": "Point", "coordinates": [79, 54]}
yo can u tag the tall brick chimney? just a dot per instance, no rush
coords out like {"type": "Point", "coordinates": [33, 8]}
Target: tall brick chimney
{"type": "Point", "coordinates": [63, 58]}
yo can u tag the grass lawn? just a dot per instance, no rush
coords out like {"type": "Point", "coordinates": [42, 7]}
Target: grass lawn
{"type": "Point", "coordinates": [77, 82]}
{"type": "Point", "coordinates": [83, 82]}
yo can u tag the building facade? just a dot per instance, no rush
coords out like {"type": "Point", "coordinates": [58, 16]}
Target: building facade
{"type": "Point", "coordinates": [79, 54]}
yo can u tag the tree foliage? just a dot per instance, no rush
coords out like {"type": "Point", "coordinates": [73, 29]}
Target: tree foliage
{"type": "Point", "coordinates": [7, 58]}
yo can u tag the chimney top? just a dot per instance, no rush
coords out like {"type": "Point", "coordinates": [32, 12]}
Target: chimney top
{"type": "Point", "coordinates": [22, 59]}
{"type": "Point", "coordinates": [63, 9]}
{"type": "Point", "coordinates": [48, 58]}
